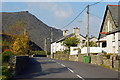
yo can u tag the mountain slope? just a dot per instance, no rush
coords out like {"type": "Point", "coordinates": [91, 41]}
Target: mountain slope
{"type": "Point", "coordinates": [36, 30]}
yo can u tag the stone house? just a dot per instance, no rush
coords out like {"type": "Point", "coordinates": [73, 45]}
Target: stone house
{"type": "Point", "coordinates": [109, 37]}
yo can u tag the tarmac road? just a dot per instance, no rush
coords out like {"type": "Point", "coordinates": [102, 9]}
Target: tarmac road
{"type": "Point", "coordinates": [44, 68]}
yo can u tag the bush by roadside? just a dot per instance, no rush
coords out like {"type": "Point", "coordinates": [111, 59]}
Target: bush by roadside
{"type": "Point", "coordinates": [37, 53]}
{"type": "Point", "coordinates": [6, 67]}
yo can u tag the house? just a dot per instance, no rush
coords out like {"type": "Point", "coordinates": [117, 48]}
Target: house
{"type": "Point", "coordinates": [58, 44]}
{"type": "Point", "coordinates": [92, 38]}
{"type": "Point", "coordinates": [109, 37]}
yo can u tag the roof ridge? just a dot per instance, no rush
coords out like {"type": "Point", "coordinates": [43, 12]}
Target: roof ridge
{"type": "Point", "coordinates": [113, 5]}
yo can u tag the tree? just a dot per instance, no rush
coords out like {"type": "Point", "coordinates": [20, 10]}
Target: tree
{"type": "Point", "coordinates": [91, 44]}
{"type": "Point", "coordinates": [20, 45]}
{"type": "Point", "coordinates": [71, 42]}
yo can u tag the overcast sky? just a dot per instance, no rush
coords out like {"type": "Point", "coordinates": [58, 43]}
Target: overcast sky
{"type": "Point", "coordinates": [59, 14]}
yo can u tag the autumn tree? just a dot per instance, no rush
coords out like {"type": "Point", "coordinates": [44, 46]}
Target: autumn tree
{"type": "Point", "coordinates": [20, 45]}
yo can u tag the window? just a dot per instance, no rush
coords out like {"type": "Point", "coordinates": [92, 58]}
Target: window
{"type": "Point", "coordinates": [108, 25]}
{"type": "Point", "coordinates": [113, 37]}
{"type": "Point", "coordinates": [104, 44]}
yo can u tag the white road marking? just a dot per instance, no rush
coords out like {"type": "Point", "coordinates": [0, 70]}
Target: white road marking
{"type": "Point", "coordinates": [80, 77]}
{"type": "Point", "coordinates": [63, 65]}
{"type": "Point", "coordinates": [57, 62]}
{"type": "Point", "coordinates": [71, 70]}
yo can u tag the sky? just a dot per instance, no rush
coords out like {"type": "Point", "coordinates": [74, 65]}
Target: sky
{"type": "Point", "coordinates": [59, 14]}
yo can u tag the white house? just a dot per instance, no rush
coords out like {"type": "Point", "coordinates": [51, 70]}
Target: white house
{"type": "Point", "coordinates": [58, 44]}
{"type": "Point", "coordinates": [109, 37]}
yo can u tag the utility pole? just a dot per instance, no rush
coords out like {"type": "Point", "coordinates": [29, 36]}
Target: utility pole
{"type": "Point", "coordinates": [25, 26]}
{"type": "Point", "coordinates": [51, 41]}
{"type": "Point", "coordinates": [45, 45]}
{"type": "Point", "coordinates": [88, 30]}
{"type": "Point", "coordinates": [24, 31]}
{"type": "Point", "coordinates": [51, 35]}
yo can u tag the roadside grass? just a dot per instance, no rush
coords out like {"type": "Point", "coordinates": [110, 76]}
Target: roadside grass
{"type": "Point", "coordinates": [115, 69]}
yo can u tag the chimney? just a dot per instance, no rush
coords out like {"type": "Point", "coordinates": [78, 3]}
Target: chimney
{"type": "Point", "coordinates": [76, 31]}
{"type": "Point", "coordinates": [65, 32]}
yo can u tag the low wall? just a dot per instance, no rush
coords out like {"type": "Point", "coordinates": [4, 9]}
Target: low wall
{"type": "Point", "coordinates": [80, 58]}
{"type": "Point", "coordinates": [98, 59]}
{"type": "Point", "coordinates": [73, 58]}
{"type": "Point", "coordinates": [61, 56]}
{"type": "Point", "coordinates": [21, 64]}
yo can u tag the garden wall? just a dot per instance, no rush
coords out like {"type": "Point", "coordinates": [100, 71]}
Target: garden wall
{"type": "Point", "coordinates": [21, 64]}
{"type": "Point", "coordinates": [111, 62]}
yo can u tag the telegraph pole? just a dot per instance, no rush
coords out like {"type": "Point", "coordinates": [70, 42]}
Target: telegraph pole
{"type": "Point", "coordinates": [51, 41]}
{"type": "Point", "coordinates": [45, 45]}
{"type": "Point", "coordinates": [25, 26]}
{"type": "Point", "coordinates": [88, 30]}
{"type": "Point", "coordinates": [51, 35]}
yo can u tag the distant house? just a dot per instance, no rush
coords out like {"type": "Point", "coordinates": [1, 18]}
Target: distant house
{"type": "Point", "coordinates": [109, 37]}
{"type": "Point", "coordinates": [58, 44]}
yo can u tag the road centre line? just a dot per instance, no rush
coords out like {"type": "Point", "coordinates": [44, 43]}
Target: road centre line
{"type": "Point", "coordinates": [70, 70]}
{"type": "Point", "coordinates": [63, 65]}
{"type": "Point", "coordinates": [80, 77]}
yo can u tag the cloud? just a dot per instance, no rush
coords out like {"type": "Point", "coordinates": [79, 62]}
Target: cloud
{"type": "Point", "coordinates": [56, 9]}
{"type": "Point", "coordinates": [63, 13]}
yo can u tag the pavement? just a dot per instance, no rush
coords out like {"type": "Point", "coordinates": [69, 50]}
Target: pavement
{"type": "Point", "coordinates": [43, 68]}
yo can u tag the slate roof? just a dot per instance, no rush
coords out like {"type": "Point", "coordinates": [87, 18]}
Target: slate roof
{"type": "Point", "coordinates": [64, 37]}
{"type": "Point", "coordinates": [114, 31]}
{"type": "Point", "coordinates": [114, 11]}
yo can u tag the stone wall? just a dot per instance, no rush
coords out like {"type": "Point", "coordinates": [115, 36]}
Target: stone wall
{"type": "Point", "coordinates": [80, 58]}
{"type": "Point", "coordinates": [93, 59]}
{"type": "Point", "coordinates": [21, 64]}
{"type": "Point", "coordinates": [61, 56]}
{"type": "Point", "coordinates": [73, 58]}
{"type": "Point", "coordinates": [98, 59]}
{"type": "Point", "coordinates": [116, 65]}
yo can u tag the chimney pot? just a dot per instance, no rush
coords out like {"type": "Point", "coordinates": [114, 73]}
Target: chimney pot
{"type": "Point", "coordinates": [76, 31]}
{"type": "Point", "coordinates": [65, 32]}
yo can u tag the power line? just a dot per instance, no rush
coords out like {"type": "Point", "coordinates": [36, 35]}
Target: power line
{"type": "Point", "coordinates": [74, 18]}
{"type": "Point", "coordinates": [95, 15]}
{"type": "Point", "coordinates": [96, 3]}
{"type": "Point", "coordinates": [80, 14]}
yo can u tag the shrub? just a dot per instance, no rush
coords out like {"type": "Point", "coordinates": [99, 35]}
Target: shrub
{"type": "Point", "coordinates": [37, 52]}
{"type": "Point", "coordinates": [66, 51]}
{"type": "Point", "coordinates": [32, 52]}
{"type": "Point", "coordinates": [6, 74]}
{"type": "Point", "coordinates": [59, 52]}
{"type": "Point", "coordinates": [108, 55]}
{"type": "Point", "coordinates": [6, 55]}
{"type": "Point", "coordinates": [48, 53]}
{"type": "Point", "coordinates": [41, 52]}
